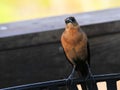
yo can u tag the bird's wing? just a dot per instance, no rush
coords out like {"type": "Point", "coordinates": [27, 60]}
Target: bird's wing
{"type": "Point", "coordinates": [88, 53]}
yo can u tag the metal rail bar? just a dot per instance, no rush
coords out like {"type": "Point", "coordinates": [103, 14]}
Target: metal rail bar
{"type": "Point", "coordinates": [109, 78]}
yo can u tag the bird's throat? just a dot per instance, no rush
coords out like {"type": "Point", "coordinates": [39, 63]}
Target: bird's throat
{"type": "Point", "coordinates": [72, 31]}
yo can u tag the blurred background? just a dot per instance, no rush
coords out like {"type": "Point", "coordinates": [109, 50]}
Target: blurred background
{"type": "Point", "coordinates": [18, 10]}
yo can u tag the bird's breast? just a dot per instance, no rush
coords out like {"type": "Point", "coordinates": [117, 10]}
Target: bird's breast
{"type": "Point", "coordinates": [74, 45]}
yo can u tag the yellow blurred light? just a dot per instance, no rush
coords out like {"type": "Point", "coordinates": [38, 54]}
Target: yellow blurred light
{"type": "Point", "coordinates": [118, 85]}
{"type": "Point", "coordinates": [16, 10]}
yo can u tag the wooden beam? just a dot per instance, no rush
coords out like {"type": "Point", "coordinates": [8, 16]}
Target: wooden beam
{"type": "Point", "coordinates": [57, 23]}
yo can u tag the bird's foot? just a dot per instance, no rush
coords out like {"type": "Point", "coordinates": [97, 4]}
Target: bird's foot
{"type": "Point", "coordinates": [69, 82]}
{"type": "Point", "coordinates": [87, 77]}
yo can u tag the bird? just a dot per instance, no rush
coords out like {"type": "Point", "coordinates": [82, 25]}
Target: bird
{"type": "Point", "coordinates": [76, 47]}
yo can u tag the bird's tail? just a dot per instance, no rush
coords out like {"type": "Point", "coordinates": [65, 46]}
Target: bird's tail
{"type": "Point", "coordinates": [84, 70]}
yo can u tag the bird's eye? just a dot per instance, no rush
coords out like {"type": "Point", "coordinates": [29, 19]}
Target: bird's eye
{"type": "Point", "coordinates": [73, 19]}
{"type": "Point", "coordinates": [67, 21]}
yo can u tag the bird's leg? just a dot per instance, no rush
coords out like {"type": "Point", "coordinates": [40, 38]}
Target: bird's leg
{"type": "Point", "coordinates": [89, 71]}
{"type": "Point", "coordinates": [91, 77]}
{"type": "Point", "coordinates": [69, 79]}
{"type": "Point", "coordinates": [72, 73]}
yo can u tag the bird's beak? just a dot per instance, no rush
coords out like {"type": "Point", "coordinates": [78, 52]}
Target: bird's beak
{"type": "Point", "coordinates": [67, 20]}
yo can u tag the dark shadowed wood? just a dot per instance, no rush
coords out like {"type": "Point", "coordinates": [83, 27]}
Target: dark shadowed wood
{"type": "Point", "coordinates": [111, 85]}
{"type": "Point", "coordinates": [53, 88]}
{"type": "Point", "coordinates": [105, 53]}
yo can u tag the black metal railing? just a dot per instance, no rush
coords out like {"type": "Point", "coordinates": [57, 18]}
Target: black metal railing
{"type": "Point", "coordinates": [110, 79]}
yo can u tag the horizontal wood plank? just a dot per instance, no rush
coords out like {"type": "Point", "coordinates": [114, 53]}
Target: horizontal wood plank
{"type": "Point", "coordinates": [57, 23]}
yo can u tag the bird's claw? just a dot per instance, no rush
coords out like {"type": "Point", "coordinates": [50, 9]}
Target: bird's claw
{"type": "Point", "coordinates": [87, 78]}
{"type": "Point", "coordinates": [69, 82]}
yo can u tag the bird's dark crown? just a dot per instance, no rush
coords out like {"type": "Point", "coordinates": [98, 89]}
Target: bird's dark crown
{"type": "Point", "coordinates": [70, 20]}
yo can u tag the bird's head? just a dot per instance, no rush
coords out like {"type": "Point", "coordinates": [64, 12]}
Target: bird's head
{"type": "Point", "coordinates": [71, 20]}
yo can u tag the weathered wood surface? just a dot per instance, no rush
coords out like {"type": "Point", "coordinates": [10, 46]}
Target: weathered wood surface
{"type": "Point", "coordinates": [37, 56]}
{"type": "Point", "coordinates": [54, 35]}
{"type": "Point", "coordinates": [57, 23]}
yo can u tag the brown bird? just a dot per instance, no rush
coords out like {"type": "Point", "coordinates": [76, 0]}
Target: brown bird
{"type": "Point", "coordinates": [76, 48]}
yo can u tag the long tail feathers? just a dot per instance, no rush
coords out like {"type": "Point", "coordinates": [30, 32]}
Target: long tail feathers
{"type": "Point", "coordinates": [84, 70]}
